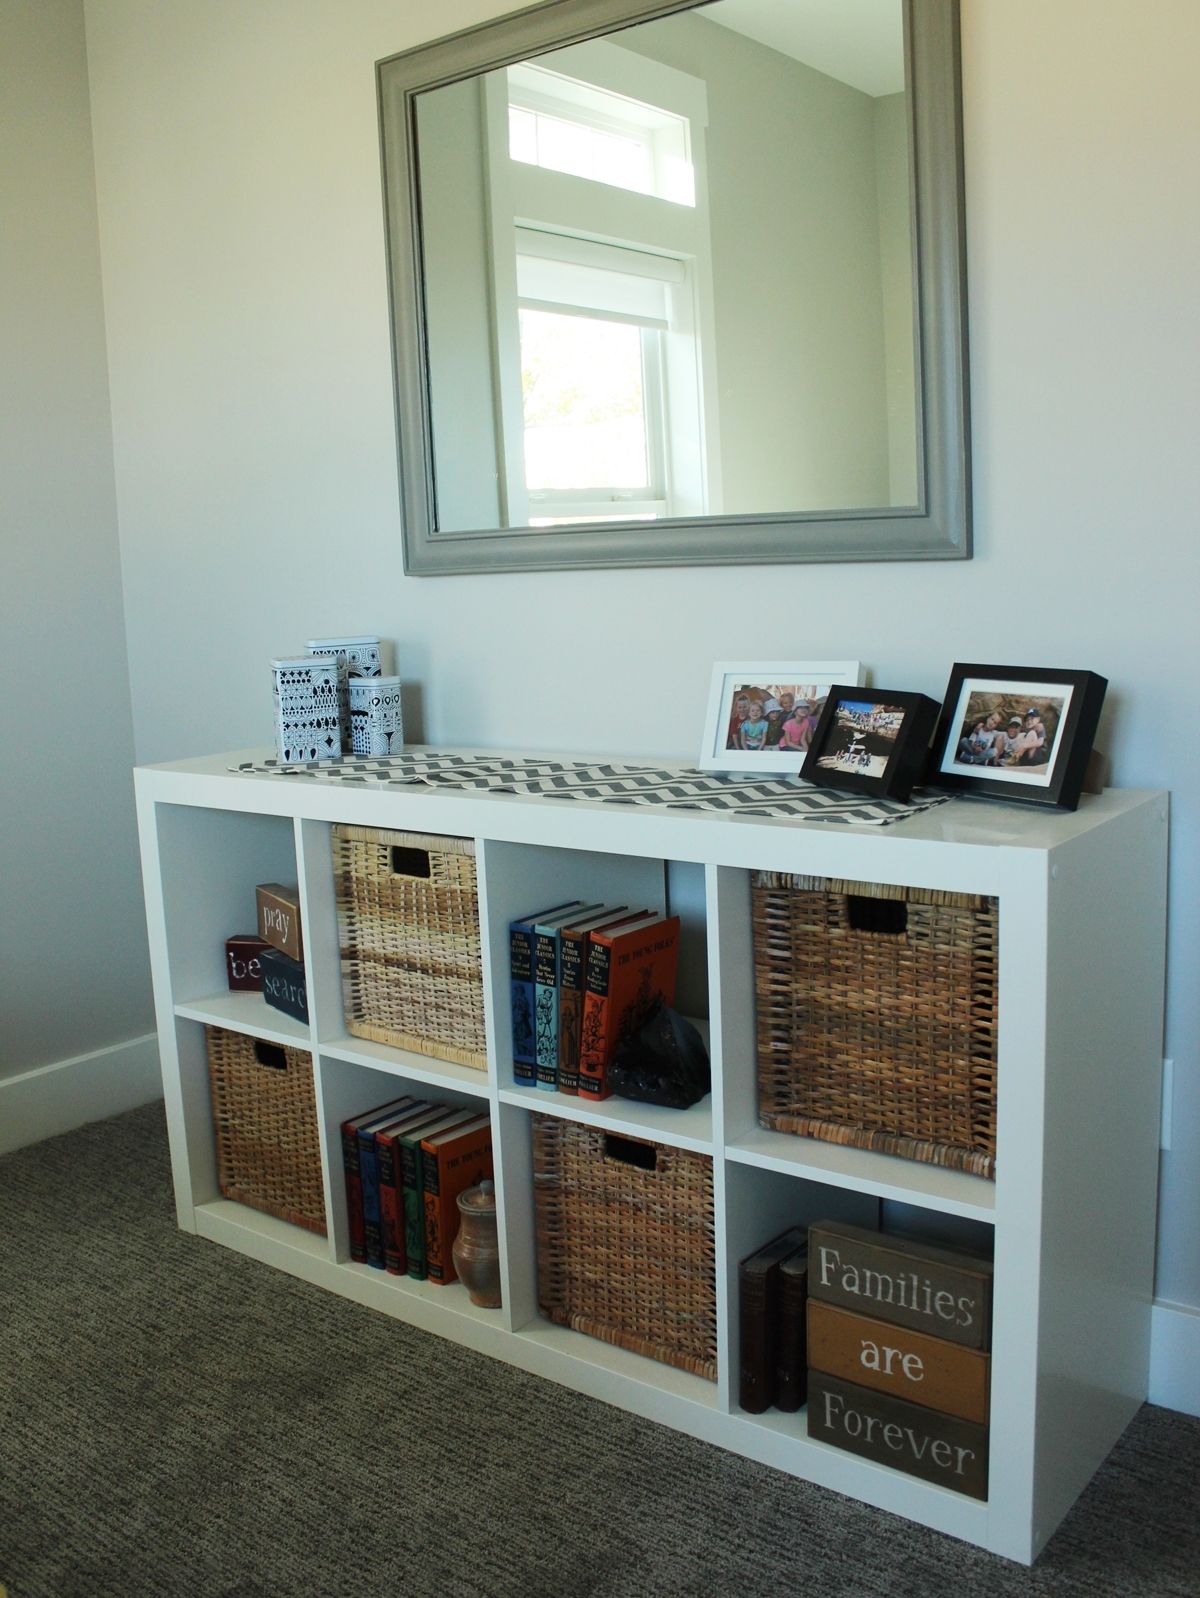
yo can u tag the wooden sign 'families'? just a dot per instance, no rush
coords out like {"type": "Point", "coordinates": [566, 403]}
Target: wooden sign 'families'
{"type": "Point", "coordinates": [930, 1289]}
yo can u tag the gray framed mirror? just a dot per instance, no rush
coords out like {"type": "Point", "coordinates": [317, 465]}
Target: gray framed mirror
{"type": "Point", "coordinates": [679, 283]}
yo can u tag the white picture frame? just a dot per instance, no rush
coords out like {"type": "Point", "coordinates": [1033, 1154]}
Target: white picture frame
{"type": "Point", "coordinates": [809, 680]}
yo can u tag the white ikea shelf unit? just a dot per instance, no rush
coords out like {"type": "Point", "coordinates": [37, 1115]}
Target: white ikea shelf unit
{"type": "Point", "coordinates": [1071, 1212]}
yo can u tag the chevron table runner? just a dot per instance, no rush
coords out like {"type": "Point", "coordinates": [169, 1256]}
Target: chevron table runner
{"type": "Point", "coordinates": [676, 787]}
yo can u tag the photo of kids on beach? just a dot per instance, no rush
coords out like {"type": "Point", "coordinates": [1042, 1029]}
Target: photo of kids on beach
{"type": "Point", "coordinates": [862, 738]}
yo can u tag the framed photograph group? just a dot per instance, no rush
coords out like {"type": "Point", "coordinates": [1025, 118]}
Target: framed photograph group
{"type": "Point", "coordinates": [763, 715]}
{"type": "Point", "coordinates": [1017, 732]}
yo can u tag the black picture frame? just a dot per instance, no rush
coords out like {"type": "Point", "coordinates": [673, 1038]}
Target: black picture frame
{"type": "Point", "coordinates": [1068, 705]}
{"type": "Point", "coordinates": [892, 754]}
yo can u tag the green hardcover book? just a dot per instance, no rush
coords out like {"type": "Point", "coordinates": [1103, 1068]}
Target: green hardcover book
{"type": "Point", "coordinates": [412, 1174]}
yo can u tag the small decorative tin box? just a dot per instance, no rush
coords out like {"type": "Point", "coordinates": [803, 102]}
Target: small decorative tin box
{"type": "Point", "coordinates": [376, 716]}
{"type": "Point", "coordinates": [308, 721]}
{"type": "Point", "coordinates": [359, 656]}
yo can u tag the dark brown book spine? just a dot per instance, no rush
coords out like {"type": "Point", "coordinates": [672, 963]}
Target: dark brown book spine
{"type": "Point", "coordinates": [758, 1319]}
{"type": "Point", "coordinates": [756, 1372]}
{"type": "Point", "coordinates": [792, 1360]}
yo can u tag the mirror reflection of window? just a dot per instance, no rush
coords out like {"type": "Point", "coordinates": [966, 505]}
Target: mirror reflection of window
{"type": "Point", "coordinates": [603, 408]}
{"type": "Point", "coordinates": [585, 409]}
{"type": "Point", "coordinates": [600, 275]}
{"type": "Point", "coordinates": [568, 125]}
{"type": "Point", "coordinates": [749, 163]}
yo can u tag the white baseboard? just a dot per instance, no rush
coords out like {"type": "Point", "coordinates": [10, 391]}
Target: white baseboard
{"type": "Point", "coordinates": [1175, 1356]}
{"type": "Point", "coordinates": [69, 1093]}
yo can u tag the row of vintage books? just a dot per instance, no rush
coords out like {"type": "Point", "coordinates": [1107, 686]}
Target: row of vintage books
{"type": "Point", "coordinates": [405, 1164]}
{"type": "Point", "coordinates": [886, 1338]}
{"type": "Point", "coordinates": [583, 976]}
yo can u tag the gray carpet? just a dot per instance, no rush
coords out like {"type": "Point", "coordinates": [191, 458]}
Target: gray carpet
{"type": "Point", "coordinates": [175, 1419]}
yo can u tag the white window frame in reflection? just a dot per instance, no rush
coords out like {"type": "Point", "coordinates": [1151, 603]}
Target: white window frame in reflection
{"type": "Point", "coordinates": [606, 240]}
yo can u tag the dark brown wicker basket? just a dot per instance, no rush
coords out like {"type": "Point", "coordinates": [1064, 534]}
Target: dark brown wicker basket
{"type": "Point", "coordinates": [408, 922]}
{"type": "Point", "coordinates": [265, 1122]}
{"type": "Point", "coordinates": [626, 1250]}
{"type": "Point", "coordinates": [876, 1017]}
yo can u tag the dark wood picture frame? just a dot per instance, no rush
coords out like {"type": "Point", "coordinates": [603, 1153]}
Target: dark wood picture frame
{"type": "Point", "coordinates": [906, 762]}
{"type": "Point", "coordinates": [1051, 774]}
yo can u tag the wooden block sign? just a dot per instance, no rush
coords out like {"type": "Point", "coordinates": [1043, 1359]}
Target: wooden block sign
{"type": "Point", "coordinates": [919, 1441]}
{"type": "Point", "coordinates": [895, 1359]}
{"type": "Point", "coordinates": [936, 1290]}
{"type": "Point", "coordinates": [283, 984]}
{"type": "Point", "coordinates": [242, 970]}
{"type": "Point", "coordinates": [279, 918]}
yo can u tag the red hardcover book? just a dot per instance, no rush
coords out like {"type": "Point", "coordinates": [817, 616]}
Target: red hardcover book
{"type": "Point", "coordinates": [628, 968]}
{"type": "Point", "coordinates": [451, 1161]}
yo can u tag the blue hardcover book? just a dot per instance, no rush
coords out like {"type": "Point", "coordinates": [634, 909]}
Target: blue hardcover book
{"type": "Point", "coordinates": [545, 991]}
{"type": "Point", "coordinates": [520, 958]}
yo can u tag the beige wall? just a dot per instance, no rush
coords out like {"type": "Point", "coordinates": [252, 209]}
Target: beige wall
{"type": "Point", "coordinates": [238, 177]}
{"type": "Point", "coordinates": [73, 974]}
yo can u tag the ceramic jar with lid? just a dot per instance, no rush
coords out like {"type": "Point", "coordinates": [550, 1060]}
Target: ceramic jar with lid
{"type": "Point", "coordinates": [476, 1252]}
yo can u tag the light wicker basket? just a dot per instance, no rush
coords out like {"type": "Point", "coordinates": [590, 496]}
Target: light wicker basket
{"type": "Point", "coordinates": [408, 923]}
{"type": "Point", "coordinates": [626, 1250]}
{"type": "Point", "coordinates": [876, 1017]}
{"type": "Point", "coordinates": [265, 1122]}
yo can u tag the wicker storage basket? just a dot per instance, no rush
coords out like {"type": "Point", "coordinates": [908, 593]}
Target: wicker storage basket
{"type": "Point", "coordinates": [876, 1017]}
{"type": "Point", "coordinates": [626, 1250]}
{"type": "Point", "coordinates": [265, 1121]}
{"type": "Point", "coordinates": [408, 921]}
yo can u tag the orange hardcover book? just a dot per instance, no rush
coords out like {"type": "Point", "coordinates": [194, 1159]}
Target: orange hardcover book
{"type": "Point", "coordinates": [572, 973]}
{"type": "Point", "coordinates": [452, 1161]}
{"type": "Point", "coordinates": [628, 968]}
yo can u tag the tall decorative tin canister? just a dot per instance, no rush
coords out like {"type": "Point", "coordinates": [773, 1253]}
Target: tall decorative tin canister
{"type": "Point", "coordinates": [358, 656]}
{"type": "Point", "coordinates": [308, 721]}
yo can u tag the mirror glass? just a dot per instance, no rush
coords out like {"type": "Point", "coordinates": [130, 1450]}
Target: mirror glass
{"type": "Point", "coordinates": [683, 285]}
{"type": "Point", "coordinates": [666, 281]}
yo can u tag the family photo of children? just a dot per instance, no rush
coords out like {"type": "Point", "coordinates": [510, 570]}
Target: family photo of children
{"type": "Point", "coordinates": [774, 717]}
{"type": "Point", "coordinates": [862, 738]}
{"type": "Point", "coordinates": [1011, 733]}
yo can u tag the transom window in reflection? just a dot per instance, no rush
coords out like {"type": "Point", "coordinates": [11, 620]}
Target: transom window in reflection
{"type": "Point", "coordinates": [565, 125]}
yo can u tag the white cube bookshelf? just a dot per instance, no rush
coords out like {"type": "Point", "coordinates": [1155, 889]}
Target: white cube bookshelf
{"type": "Point", "coordinates": [1071, 1212]}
